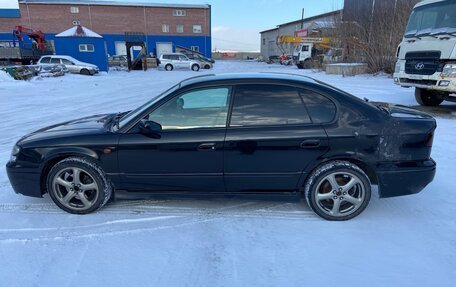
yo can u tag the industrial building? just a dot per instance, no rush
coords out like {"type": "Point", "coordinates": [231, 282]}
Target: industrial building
{"type": "Point", "coordinates": [319, 25]}
{"type": "Point", "coordinates": [163, 25]}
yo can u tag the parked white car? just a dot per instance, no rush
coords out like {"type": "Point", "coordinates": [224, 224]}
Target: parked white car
{"type": "Point", "coordinates": [171, 61]}
{"type": "Point", "coordinates": [73, 65]}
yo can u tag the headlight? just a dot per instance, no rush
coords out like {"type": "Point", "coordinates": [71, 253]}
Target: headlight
{"type": "Point", "coordinates": [399, 67]}
{"type": "Point", "coordinates": [449, 70]}
{"type": "Point", "coordinates": [16, 150]}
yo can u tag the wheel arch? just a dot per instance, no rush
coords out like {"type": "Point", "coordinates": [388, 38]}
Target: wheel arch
{"type": "Point", "coordinates": [55, 156]}
{"type": "Point", "coordinates": [363, 165]}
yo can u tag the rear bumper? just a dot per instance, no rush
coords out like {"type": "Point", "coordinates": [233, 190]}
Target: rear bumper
{"type": "Point", "coordinates": [404, 179]}
{"type": "Point", "coordinates": [25, 181]}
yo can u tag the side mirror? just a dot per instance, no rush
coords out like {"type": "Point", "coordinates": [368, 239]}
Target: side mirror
{"type": "Point", "coordinates": [150, 129]}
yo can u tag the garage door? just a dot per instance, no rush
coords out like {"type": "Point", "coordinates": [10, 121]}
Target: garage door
{"type": "Point", "coordinates": [164, 48]}
{"type": "Point", "coordinates": [121, 49]}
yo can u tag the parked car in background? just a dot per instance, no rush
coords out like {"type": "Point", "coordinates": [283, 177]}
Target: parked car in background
{"type": "Point", "coordinates": [206, 63]}
{"type": "Point", "coordinates": [234, 134]}
{"type": "Point", "coordinates": [118, 61]}
{"type": "Point", "coordinates": [73, 65]}
{"type": "Point", "coordinates": [273, 60]}
{"type": "Point", "coordinates": [171, 61]}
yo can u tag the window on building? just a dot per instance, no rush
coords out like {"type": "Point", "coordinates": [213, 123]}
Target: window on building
{"type": "Point", "coordinates": [74, 10]}
{"type": "Point", "coordinates": [179, 13]}
{"type": "Point", "coordinates": [197, 29]}
{"type": "Point", "coordinates": [165, 28]}
{"type": "Point", "coordinates": [259, 105]}
{"type": "Point", "coordinates": [76, 22]}
{"type": "Point", "coordinates": [180, 28]}
{"type": "Point", "coordinates": [195, 48]}
{"type": "Point", "coordinates": [86, 48]}
{"type": "Point", "coordinates": [264, 41]}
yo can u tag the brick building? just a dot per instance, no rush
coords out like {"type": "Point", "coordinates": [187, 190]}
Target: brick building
{"type": "Point", "coordinates": [165, 25]}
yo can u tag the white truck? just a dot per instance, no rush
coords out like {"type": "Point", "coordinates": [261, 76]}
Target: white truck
{"type": "Point", "coordinates": [427, 53]}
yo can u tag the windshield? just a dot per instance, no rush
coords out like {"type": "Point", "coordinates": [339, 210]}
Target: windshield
{"type": "Point", "coordinates": [434, 18]}
{"type": "Point", "coordinates": [134, 113]}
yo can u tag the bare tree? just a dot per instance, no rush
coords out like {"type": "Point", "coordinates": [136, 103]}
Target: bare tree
{"type": "Point", "coordinates": [374, 38]}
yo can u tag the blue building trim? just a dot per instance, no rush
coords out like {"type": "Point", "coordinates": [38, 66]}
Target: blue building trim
{"type": "Point", "coordinates": [203, 42]}
{"type": "Point", "coordinates": [10, 13]}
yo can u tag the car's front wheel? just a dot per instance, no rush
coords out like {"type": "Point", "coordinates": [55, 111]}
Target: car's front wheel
{"type": "Point", "coordinates": [78, 185]}
{"type": "Point", "coordinates": [195, 68]}
{"type": "Point", "coordinates": [338, 190]}
{"type": "Point", "coordinates": [85, 72]}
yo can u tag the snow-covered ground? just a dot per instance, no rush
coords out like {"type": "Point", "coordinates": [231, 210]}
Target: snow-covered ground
{"type": "Point", "coordinates": [407, 241]}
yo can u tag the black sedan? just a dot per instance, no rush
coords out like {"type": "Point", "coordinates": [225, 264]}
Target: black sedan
{"type": "Point", "coordinates": [234, 134]}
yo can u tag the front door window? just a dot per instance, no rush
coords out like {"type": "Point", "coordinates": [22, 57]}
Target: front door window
{"type": "Point", "coordinates": [203, 108]}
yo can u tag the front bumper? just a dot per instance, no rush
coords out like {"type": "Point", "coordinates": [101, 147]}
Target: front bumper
{"type": "Point", "coordinates": [25, 181]}
{"type": "Point", "coordinates": [435, 82]}
{"type": "Point", "coordinates": [404, 178]}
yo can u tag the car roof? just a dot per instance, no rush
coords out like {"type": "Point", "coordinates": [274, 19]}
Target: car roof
{"type": "Point", "coordinates": [173, 54]}
{"type": "Point", "coordinates": [247, 76]}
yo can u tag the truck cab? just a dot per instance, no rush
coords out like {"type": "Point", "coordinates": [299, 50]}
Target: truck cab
{"type": "Point", "coordinates": [427, 53]}
{"type": "Point", "coordinates": [302, 55]}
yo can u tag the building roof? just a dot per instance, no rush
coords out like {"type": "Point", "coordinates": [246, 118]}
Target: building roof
{"type": "Point", "coordinates": [306, 20]}
{"type": "Point", "coordinates": [78, 31]}
{"type": "Point", "coordinates": [112, 3]}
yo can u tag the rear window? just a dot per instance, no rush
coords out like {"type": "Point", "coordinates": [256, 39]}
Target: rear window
{"type": "Point", "coordinates": [320, 108]}
{"type": "Point", "coordinates": [259, 105]}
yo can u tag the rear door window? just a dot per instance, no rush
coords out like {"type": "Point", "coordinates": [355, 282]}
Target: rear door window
{"type": "Point", "coordinates": [55, 61]}
{"type": "Point", "coordinates": [261, 105]}
{"type": "Point", "coordinates": [45, 60]}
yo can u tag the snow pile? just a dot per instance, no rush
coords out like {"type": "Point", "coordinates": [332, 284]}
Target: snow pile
{"type": "Point", "coordinates": [79, 31]}
{"type": "Point", "coordinates": [5, 77]}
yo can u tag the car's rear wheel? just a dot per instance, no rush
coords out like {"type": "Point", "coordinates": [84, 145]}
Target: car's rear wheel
{"type": "Point", "coordinates": [78, 185]}
{"type": "Point", "coordinates": [169, 67]}
{"type": "Point", "coordinates": [428, 98]}
{"type": "Point", "coordinates": [195, 68]}
{"type": "Point", "coordinates": [338, 191]}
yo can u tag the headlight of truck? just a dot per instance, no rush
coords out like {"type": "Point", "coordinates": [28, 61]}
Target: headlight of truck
{"type": "Point", "coordinates": [399, 67]}
{"type": "Point", "coordinates": [14, 153]}
{"type": "Point", "coordinates": [449, 70]}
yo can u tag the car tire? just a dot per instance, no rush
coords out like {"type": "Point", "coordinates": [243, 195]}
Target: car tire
{"type": "Point", "coordinates": [195, 68]}
{"type": "Point", "coordinates": [85, 193]}
{"type": "Point", "coordinates": [169, 67]}
{"type": "Point", "coordinates": [85, 72]}
{"type": "Point", "coordinates": [428, 98]}
{"type": "Point", "coordinates": [338, 191]}
{"type": "Point", "coordinates": [207, 67]}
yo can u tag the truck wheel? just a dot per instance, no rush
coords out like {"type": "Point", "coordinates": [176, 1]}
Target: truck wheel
{"type": "Point", "coordinates": [428, 98]}
{"type": "Point", "coordinates": [338, 190]}
{"type": "Point", "coordinates": [308, 64]}
{"type": "Point", "coordinates": [300, 66]}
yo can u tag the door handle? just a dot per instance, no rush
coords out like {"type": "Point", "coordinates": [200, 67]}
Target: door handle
{"type": "Point", "coordinates": [207, 147]}
{"type": "Point", "coordinates": [310, 144]}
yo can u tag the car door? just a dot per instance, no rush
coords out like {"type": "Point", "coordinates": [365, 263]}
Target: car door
{"type": "Point", "coordinates": [188, 154]}
{"type": "Point", "coordinates": [270, 139]}
{"type": "Point", "coordinates": [184, 62]}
